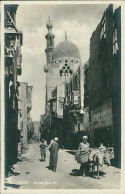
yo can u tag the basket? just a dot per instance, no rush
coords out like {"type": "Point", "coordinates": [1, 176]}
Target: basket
{"type": "Point", "coordinates": [110, 151]}
{"type": "Point", "coordinates": [82, 156]}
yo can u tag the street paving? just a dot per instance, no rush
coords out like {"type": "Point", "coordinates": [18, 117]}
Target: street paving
{"type": "Point", "coordinates": [31, 173]}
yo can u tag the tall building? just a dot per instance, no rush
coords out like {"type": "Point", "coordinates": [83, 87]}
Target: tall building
{"type": "Point", "coordinates": [37, 130]}
{"type": "Point", "coordinates": [42, 127]}
{"type": "Point", "coordinates": [62, 61]}
{"type": "Point", "coordinates": [86, 99]}
{"type": "Point", "coordinates": [104, 81]}
{"type": "Point", "coordinates": [13, 60]}
{"type": "Point", "coordinates": [24, 119]}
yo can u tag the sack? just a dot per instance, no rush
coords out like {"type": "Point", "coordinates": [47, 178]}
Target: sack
{"type": "Point", "coordinates": [110, 151]}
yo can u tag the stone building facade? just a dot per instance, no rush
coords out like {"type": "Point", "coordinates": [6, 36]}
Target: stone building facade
{"type": "Point", "coordinates": [88, 101]}
{"type": "Point", "coordinates": [62, 61]}
{"type": "Point", "coordinates": [13, 60]}
{"type": "Point", "coordinates": [25, 121]}
{"type": "Point", "coordinates": [104, 81]}
{"type": "Point", "coordinates": [68, 101]}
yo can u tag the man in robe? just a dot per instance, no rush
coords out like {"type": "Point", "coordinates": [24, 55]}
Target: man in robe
{"type": "Point", "coordinates": [54, 154]}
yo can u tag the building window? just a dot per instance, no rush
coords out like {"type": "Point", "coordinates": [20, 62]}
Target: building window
{"type": "Point", "coordinates": [103, 29]}
{"type": "Point", "coordinates": [115, 42]}
{"type": "Point", "coordinates": [65, 71]}
{"type": "Point", "coordinates": [75, 83]}
{"type": "Point", "coordinates": [105, 75]}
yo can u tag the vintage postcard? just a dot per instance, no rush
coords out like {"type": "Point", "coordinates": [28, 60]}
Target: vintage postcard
{"type": "Point", "coordinates": [62, 69]}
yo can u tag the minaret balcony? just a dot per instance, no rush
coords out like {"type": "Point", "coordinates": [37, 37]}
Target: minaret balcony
{"type": "Point", "coordinates": [49, 50]}
{"type": "Point", "coordinates": [48, 35]}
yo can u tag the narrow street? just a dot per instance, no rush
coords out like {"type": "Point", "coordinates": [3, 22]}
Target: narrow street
{"type": "Point", "coordinates": [30, 172]}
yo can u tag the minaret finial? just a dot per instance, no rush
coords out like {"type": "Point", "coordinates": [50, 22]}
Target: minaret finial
{"type": "Point", "coordinates": [65, 35]}
{"type": "Point", "coordinates": [49, 24]}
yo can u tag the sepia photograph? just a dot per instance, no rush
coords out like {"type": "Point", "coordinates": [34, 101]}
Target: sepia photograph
{"type": "Point", "coordinates": [61, 96]}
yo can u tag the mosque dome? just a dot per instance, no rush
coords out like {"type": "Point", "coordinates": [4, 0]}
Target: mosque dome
{"type": "Point", "coordinates": [66, 49]}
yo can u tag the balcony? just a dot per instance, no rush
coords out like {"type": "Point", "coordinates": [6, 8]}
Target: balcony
{"type": "Point", "coordinates": [19, 61]}
{"type": "Point", "coordinates": [29, 98]}
{"type": "Point", "coordinates": [9, 53]}
{"type": "Point", "coordinates": [76, 97]}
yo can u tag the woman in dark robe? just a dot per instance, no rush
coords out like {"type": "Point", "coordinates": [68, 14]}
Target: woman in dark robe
{"type": "Point", "coordinates": [54, 154]}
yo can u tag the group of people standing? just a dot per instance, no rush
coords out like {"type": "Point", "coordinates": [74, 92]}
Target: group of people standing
{"type": "Point", "coordinates": [53, 148]}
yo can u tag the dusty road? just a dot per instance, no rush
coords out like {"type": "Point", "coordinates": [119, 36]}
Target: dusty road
{"type": "Point", "coordinates": [30, 172]}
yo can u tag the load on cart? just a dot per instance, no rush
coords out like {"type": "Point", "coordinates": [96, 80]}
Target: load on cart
{"type": "Point", "coordinates": [92, 158]}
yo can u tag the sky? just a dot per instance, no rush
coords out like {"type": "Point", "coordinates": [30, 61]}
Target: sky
{"type": "Point", "coordinates": [79, 21]}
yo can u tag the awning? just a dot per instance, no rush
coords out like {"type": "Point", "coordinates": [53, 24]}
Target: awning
{"type": "Point", "coordinates": [77, 111]}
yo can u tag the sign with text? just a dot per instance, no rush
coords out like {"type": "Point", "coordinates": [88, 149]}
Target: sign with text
{"type": "Point", "coordinates": [60, 100]}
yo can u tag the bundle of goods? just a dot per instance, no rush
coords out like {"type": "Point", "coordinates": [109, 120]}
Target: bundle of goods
{"type": "Point", "coordinates": [104, 156]}
{"type": "Point", "coordinates": [82, 156]}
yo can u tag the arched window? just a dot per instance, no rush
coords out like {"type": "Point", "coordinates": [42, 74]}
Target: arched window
{"type": "Point", "coordinates": [65, 71]}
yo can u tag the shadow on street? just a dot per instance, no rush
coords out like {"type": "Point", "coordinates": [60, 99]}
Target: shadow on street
{"type": "Point", "coordinates": [25, 159]}
{"type": "Point", "coordinates": [12, 173]}
{"type": "Point", "coordinates": [77, 172]}
{"type": "Point", "coordinates": [12, 185]}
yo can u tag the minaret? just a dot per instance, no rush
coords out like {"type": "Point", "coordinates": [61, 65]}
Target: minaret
{"type": "Point", "coordinates": [50, 42]}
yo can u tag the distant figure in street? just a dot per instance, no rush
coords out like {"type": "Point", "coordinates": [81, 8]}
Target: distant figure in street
{"type": "Point", "coordinates": [21, 141]}
{"type": "Point", "coordinates": [102, 147]}
{"type": "Point", "coordinates": [105, 155]}
{"type": "Point", "coordinates": [84, 146]}
{"type": "Point", "coordinates": [43, 146]}
{"type": "Point", "coordinates": [54, 154]}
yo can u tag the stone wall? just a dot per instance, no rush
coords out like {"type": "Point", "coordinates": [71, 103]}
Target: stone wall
{"type": "Point", "coordinates": [102, 116]}
{"type": "Point", "coordinates": [23, 113]}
